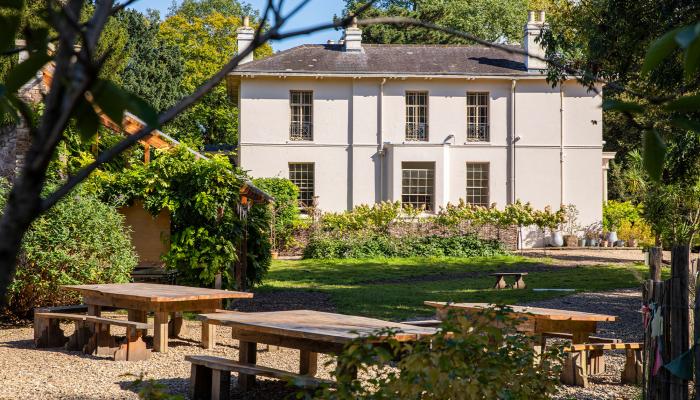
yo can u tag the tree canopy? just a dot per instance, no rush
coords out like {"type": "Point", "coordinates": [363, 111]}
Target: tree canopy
{"type": "Point", "coordinates": [494, 20]}
{"type": "Point", "coordinates": [205, 33]}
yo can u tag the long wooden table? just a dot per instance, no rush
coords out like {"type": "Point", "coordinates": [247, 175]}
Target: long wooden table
{"type": "Point", "coordinates": [141, 298]}
{"type": "Point", "coordinates": [536, 320]}
{"type": "Point", "coordinates": [311, 332]}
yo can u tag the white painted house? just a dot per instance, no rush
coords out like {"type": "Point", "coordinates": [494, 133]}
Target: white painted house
{"type": "Point", "coordinates": [353, 123]}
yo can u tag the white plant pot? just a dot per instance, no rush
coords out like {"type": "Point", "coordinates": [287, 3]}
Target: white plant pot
{"type": "Point", "coordinates": [557, 239]}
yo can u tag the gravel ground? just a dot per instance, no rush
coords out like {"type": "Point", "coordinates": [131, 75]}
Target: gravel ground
{"type": "Point", "coordinates": [29, 373]}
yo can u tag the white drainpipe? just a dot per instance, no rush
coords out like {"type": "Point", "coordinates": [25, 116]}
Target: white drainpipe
{"type": "Point", "coordinates": [381, 139]}
{"type": "Point", "coordinates": [561, 142]}
{"type": "Point", "coordinates": [513, 197]}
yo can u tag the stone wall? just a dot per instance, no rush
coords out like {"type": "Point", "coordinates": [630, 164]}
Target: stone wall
{"type": "Point", "coordinates": [508, 236]}
{"type": "Point", "coordinates": [14, 143]}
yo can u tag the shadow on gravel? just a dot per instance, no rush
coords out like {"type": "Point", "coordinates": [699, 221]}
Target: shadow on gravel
{"type": "Point", "coordinates": [166, 385]}
{"type": "Point", "coordinates": [285, 300]}
{"type": "Point", "coordinates": [263, 389]}
{"type": "Point", "coordinates": [29, 344]}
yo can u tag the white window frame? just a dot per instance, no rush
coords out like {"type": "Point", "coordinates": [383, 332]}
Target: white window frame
{"type": "Point", "coordinates": [478, 117]}
{"type": "Point", "coordinates": [474, 183]}
{"type": "Point", "coordinates": [301, 115]}
{"type": "Point", "coordinates": [417, 125]}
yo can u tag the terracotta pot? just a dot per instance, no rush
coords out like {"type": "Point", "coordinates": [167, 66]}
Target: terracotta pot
{"type": "Point", "coordinates": [604, 243]}
{"type": "Point", "coordinates": [275, 255]}
{"type": "Point", "coordinates": [571, 241]}
{"type": "Point", "coordinates": [632, 243]}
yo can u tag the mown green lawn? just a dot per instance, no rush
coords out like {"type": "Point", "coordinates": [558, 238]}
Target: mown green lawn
{"type": "Point", "coordinates": [396, 288]}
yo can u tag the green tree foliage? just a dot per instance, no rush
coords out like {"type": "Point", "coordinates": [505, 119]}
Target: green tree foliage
{"type": "Point", "coordinates": [155, 69]}
{"type": "Point", "coordinates": [205, 33]}
{"type": "Point", "coordinates": [494, 20]}
{"type": "Point", "coordinates": [285, 206]}
{"type": "Point", "coordinates": [608, 40]}
{"type": "Point", "coordinates": [203, 198]}
{"type": "Point", "coordinates": [80, 241]}
{"type": "Point", "coordinates": [470, 358]}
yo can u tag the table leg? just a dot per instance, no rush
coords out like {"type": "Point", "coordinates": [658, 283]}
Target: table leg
{"type": "Point", "coordinates": [580, 360]}
{"type": "Point", "coordinates": [308, 363]}
{"type": "Point", "coordinates": [175, 325]}
{"type": "Point", "coordinates": [208, 335]}
{"type": "Point", "coordinates": [247, 353]}
{"type": "Point", "coordinates": [138, 316]}
{"type": "Point", "coordinates": [94, 310]}
{"type": "Point", "coordinates": [160, 332]}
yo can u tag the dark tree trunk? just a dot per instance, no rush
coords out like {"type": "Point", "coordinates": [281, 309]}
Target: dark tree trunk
{"type": "Point", "coordinates": [655, 262]}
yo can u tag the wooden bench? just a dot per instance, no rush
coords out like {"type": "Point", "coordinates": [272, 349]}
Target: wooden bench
{"type": "Point", "coordinates": [596, 358]}
{"type": "Point", "coordinates": [91, 335]}
{"type": "Point", "coordinates": [501, 282]}
{"type": "Point", "coordinates": [211, 376]}
{"type": "Point", "coordinates": [432, 323]}
{"type": "Point", "coordinates": [575, 369]}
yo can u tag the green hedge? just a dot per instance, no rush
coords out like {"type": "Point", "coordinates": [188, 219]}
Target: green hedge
{"type": "Point", "coordinates": [370, 245]}
{"type": "Point", "coordinates": [81, 240]}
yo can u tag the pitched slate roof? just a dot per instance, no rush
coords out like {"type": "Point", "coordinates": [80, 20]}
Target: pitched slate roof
{"type": "Point", "coordinates": [380, 59]}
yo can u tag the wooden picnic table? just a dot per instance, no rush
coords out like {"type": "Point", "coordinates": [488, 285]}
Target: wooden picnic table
{"type": "Point", "coordinates": [536, 320]}
{"type": "Point", "coordinates": [141, 298]}
{"type": "Point", "coordinates": [311, 332]}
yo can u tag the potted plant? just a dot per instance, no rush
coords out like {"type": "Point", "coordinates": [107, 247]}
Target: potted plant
{"type": "Point", "coordinates": [571, 227]}
{"type": "Point", "coordinates": [592, 233]}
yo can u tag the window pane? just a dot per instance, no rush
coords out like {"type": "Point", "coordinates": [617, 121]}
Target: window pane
{"type": "Point", "coordinates": [478, 184]}
{"type": "Point", "coordinates": [477, 117]}
{"type": "Point", "coordinates": [301, 112]}
{"type": "Point", "coordinates": [418, 185]}
{"type": "Point", "coordinates": [416, 116]}
{"type": "Point", "coordinates": [302, 175]}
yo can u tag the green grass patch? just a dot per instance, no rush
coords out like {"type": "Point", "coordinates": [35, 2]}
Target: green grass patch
{"type": "Point", "coordinates": [396, 288]}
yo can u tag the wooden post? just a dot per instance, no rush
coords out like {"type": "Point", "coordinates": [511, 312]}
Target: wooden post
{"type": "Point", "coordinates": [655, 262]}
{"type": "Point", "coordinates": [308, 363]}
{"type": "Point", "coordinates": [160, 331]}
{"type": "Point", "coordinates": [679, 314]}
{"type": "Point", "coordinates": [247, 353]}
{"type": "Point", "coordinates": [146, 153]}
{"type": "Point", "coordinates": [696, 323]}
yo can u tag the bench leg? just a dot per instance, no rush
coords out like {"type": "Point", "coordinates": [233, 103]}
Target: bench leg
{"type": "Point", "coordinates": [175, 324]}
{"type": "Point", "coordinates": [220, 384]}
{"type": "Point", "coordinates": [48, 333]}
{"type": "Point", "coordinates": [574, 369]}
{"type": "Point", "coordinates": [633, 372]}
{"type": "Point", "coordinates": [308, 363]}
{"type": "Point", "coordinates": [160, 332]}
{"type": "Point", "coordinates": [500, 283]}
{"type": "Point", "coordinates": [596, 362]}
{"type": "Point", "coordinates": [133, 348]}
{"type": "Point", "coordinates": [519, 283]}
{"type": "Point", "coordinates": [80, 338]}
{"type": "Point", "coordinates": [101, 343]}
{"type": "Point", "coordinates": [247, 353]}
{"type": "Point", "coordinates": [200, 382]}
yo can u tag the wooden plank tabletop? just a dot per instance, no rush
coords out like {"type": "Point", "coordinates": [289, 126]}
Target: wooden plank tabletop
{"type": "Point", "coordinates": [314, 325]}
{"type": "Point", "coordinates": [156, 293]}
{"type": "Point", "coordinates": [536, 312]}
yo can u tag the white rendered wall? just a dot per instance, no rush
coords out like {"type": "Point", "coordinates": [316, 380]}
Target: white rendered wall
{"type": "Point", "coordinates": [347, 131]}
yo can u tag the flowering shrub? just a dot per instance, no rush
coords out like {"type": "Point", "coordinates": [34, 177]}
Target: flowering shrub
{"type": "Point", "coordinates": [480, 356]}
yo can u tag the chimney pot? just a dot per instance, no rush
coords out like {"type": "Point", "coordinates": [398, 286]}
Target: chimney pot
{"type": "Point", "coordinates": [352, 39]}
{"type": "Point", "coordinates": [530, 16]}
{"type": "Point", "coordinates": [245, 35]}
{"type": "Point", "coordinates": [532, 47]}
{"type": "Point", "coordinates": [542, 16]}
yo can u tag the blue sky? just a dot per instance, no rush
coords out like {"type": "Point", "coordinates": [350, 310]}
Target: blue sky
{"type": "Point", "coordinates": [317, 11]}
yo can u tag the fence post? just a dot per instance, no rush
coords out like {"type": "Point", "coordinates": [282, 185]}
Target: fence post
{"type": "Point", "coordinates": [679, 313]}
{"type": "Point", "coordinates": [655, 262]}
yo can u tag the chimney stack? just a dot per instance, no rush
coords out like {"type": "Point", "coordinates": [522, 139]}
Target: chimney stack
{"type": "Point", "coordinates": [532, 30]}
{"type": "Point", "coordinates": [353, 37]}
{"type": "Point", "coordinates": [245, 36]}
